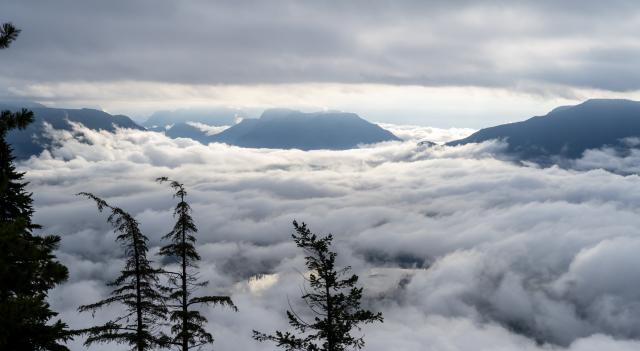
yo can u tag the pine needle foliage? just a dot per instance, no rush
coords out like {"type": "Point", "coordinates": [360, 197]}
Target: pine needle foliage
{"type": "Point", "coordinates": [333, 299]}
{"type": "Point", "coordinates": [187, 324]}
{"type": "Point", "coordinates": [15, 201]}
{"type": "Point", "coordinates": [8, 33]}
{"type": "Point", "coordinates": [28, 270]}
{"type": "Point", "coordinates": [137, 288]}
{"type": "Point", "coordinates": [28, 266]}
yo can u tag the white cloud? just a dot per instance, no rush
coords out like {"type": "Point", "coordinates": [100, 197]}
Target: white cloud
{"type": "Point", "coordinates": [608, 158]}
{"type": "Point", "coordinates": [459, 250]}
{"type": "Point", "coordinates": [207, 129]}
{"type": "Point", "coordinates": [420, 133]}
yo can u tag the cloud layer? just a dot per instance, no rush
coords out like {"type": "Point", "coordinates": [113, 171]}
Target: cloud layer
{"type": "Point", "coordinates": [459, 249]}
{"type": "Point", "coordinates": [432, 43]}
{"type": "Point", "coordinates": [400, 62]}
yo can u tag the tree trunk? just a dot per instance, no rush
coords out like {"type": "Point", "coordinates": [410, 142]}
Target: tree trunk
{"type": "Point", "coordinates": [330, 338]}
{"type": "Point", "coordinates": [185, 335]}
{"type": "Point", "coordinates": [139, 341]}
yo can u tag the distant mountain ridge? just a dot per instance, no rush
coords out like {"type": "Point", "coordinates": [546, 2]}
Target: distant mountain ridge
{"type": "Point", "coordinates": [566, 131]}
{"type": "Point", "coordinates": [186, 130]}
{"type": "Point", "coordinates": [33, 140]}
{"type": "Point", "coordinates": [290, 129]}
{"type": "Point", "coordinates": [159, 120]}
{"type": "Point", "coordinates": [276, 128]}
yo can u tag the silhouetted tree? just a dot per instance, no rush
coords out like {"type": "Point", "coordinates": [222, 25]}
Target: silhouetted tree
{"type": "Point", "coordinates": [15, 201]}
{"type": "Point", "coordinates": [28, 269]}
{"type": "Point", "coordinates": [8, 33]}
{"type": "Point", "coordinates": [187, 323]}
{"type": "Point", "coordinates": [137, 289]}
{"type": "Point", "coordinates": [334, 300]}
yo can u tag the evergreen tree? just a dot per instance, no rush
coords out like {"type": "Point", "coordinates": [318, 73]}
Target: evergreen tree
{"type": "Point", "coordinates": [15, 202]}
{"type": "Point", "coordinates": [8, 33]}
{"type": "Point", "coordinates": [137, 289]}
{"type": "Point", "coordinates": [28, 269]}
{"type": "Point", "coordinates": [334, 300]}
{"type": "Point", "coordinates": [187, 326]}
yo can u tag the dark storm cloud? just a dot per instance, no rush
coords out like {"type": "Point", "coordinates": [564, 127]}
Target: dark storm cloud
{"type": "Point", "coordinates": [490, 44]}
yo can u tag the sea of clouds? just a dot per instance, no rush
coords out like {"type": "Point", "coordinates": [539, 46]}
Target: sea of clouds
{"type": "Point", "coordinates": [458, 247]}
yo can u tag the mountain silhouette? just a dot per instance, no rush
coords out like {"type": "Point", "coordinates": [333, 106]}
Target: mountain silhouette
{"type": "Point", "coordinates": [185, 130]}
{"type": "Point", "coordinates": [33, 140]}
{"type": "Point", "coordinates": [159, 120]}
{"type": "Point", "coordinates": [289, 129]}
{"type": "Point", "coordinates": [567, 131]}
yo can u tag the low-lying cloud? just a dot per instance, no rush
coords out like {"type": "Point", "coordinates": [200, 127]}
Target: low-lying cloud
{"type": "Point", "coordinates": [459, 248]}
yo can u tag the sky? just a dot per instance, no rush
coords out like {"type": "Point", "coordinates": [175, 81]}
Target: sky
{"type": "Point", "coordinates": [459, 248]}
{"type": "Point", "coordinates": [433, 63]}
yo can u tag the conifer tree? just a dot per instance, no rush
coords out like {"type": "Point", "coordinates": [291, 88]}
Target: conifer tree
{"type": "Point", "coordinates": [187, 324]}
{"type": "Point", "coordinates": [15, 202]}
{"type": "Point", "coordinates": [137, 289]}
{"type": "Point", "coordinates": [8, 33]}
{"type": "Point", "coordinates": [333, 300]}
{"type": "Point", "coordinates": [28, 268]}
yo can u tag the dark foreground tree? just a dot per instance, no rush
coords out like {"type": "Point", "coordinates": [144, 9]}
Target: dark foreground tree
{"type": "Point", "coordinates": [28, 268]}
{"type": "Point", "coordinates": [137, 289]}
{"type": "Point", "coordinates": [187, 324]}
{"type": "Point", "coordinates": [8, 33]}
{"type": "Point", "coordinates": [333, 299]}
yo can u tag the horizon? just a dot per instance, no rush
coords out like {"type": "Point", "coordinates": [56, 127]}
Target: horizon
{"type": "Point", "coordinates": [255, 113]}
{"type": "Point", "coordinates": [319, 175]}
{"type": "Point", "coordinates": [468, 65]}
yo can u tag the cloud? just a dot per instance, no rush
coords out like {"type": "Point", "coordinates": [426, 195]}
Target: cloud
{"type": "Point", "coordinates": [419, 133]}
{"type": "Point", "coordinates": [133, 58]}
{"type": "Point", "coordinates": [207, 129]}
{"type": "Point", "coordinates": [434, 43]}
{"type": "Point", "coordinates": [431, 106]}
{"type": "Point", "coordinates": [459, 249]}
{"type": "Point", "coordinates": [622, 161]}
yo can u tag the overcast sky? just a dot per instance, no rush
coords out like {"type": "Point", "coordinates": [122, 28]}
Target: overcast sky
{"type": "Point", "coordinates": [440, 63]}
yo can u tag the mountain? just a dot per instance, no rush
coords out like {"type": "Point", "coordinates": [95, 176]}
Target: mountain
{"type": "Point", "coordinates": [33, 140]}
{"type": "Point", "coordinates": [289, 129]}
{"type": "Point", "coordinates": [567, 131]}
{"type": "Point", "coordinates": [159, 120]}
{"type": "Point", "coordinates": [186, 130]}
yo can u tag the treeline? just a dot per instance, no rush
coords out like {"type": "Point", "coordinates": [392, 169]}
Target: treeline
{"type": "Point", "coordinates": [159, 307]}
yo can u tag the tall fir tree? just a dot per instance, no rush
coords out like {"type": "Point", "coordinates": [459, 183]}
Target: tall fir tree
{"type": "Point", "coordinates": [137, 289]}
{"type": "Point", "coordinates": [187, 324]}
{"type": "Point", "coordinates": [333, 300]}
{"type": "Point", "coordinates": [28, 268]}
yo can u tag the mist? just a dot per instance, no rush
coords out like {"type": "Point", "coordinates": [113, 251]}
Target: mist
{"type": "Point", "coordinates": [459, 247]}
